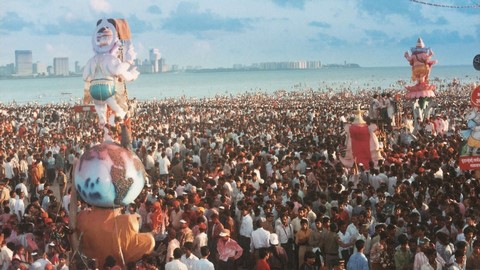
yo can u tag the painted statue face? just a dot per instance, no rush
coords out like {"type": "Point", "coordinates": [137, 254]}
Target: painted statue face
{"type": "Point", "coordinates": [105, 38]}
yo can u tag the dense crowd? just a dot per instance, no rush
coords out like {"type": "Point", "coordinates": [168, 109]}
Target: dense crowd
{"type": "Point", "coordinates": [254, 181]}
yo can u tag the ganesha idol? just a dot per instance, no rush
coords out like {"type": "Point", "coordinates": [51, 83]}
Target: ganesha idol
{"type": "Point", "coordinates": [421, 63]}
{"type": "Point", "coordinates": [105, 69]}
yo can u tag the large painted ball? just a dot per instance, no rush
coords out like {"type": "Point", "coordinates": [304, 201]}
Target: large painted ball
{"type": "Point", "coordinates": [108, 175]}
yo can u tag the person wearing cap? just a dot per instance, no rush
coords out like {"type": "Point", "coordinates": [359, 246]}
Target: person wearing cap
{"type": "Point", "coordinates": [198, 220]}
{"type": "Point", "coordinates": [229, 251]}
{"type": "Point", "coordinates": [185, 233]}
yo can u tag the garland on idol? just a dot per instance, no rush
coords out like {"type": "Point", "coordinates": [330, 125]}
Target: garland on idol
{"type": "Point", "coordinates": [445, 5]}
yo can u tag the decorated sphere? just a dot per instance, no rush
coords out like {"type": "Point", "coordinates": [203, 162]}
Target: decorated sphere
{"type": "Point", "coordinates": [108, 175]}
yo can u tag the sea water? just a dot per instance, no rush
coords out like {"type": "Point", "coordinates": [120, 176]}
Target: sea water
{"type": "Point", "coordinates": [208, 84]}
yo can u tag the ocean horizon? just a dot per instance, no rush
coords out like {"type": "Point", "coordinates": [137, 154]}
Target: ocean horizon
{"type": "Point", "coordinates": [230, 82]}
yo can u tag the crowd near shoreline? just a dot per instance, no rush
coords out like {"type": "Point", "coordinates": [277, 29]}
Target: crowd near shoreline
{"type": "Point", "coordinates": [253, 181]}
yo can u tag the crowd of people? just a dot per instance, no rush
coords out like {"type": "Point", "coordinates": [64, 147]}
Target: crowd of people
{"type": "Point", "coordinates": [253, 181]}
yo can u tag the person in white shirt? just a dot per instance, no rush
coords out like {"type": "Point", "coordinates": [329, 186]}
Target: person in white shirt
{"type": "Point", "coordinates": [66, 200]}
{"type": "Point", "coordinates": [9, 173]}
{"type": "Point", "coordinates": [150, 163]}
{"type": "Point", "coordinates": [246, 229]}
{"type": "Point", "coordinates": [20, 205]}
{"type": "Point", "coordinates": [204, 263]}
{"type": "Point", "coordinates": [260, 238]}
{"type": "Point", "coordinates": [173, 244]}
{"type": "Point", "coordinates": [6, 254]}
{"type": "Point", "coordinates": [163, 165]}
{"type": "Point", "coordinates": [21, 185]}
{"type": "Point", "coordinates": [176, 264]}
{"type": "Point", "coordinates": [189, 259]}
{"type": "Point", "coordinates": [200, 240]}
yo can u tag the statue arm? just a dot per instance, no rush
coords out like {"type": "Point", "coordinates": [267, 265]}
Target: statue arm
{"type": "Point", "coordinates": [122, 69]}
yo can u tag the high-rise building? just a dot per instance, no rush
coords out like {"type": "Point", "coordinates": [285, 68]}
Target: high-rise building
{"type": "Point", "coordinates": [162, 64]}
{"type": "Point", "coordinates": [60, 66]}
{"type": "Point", "coordinates": [154, 57]}
{"type": "Point", "coordinates": [7, 70]}
{"type": "Point", "coordinates": [23, 62]}
{"type": "Point", "coordinates": [39, 68]}
{"type": "Point", "coordinates": [78, 68]}
{"type": "Point", "coordinates": [50, 71]}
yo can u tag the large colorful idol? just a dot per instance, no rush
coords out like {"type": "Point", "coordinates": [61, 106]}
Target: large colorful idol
{"type": "Point", "coordinates": [361, 142]}
{"type": "Point", "coordinates": [108, 69]}
{"type": "Point", "coordinates": [472, 134]}
{"type": "Point", "coordinates": [422, 91]}
{"type": "Point", "coordinates": [421, 66]}
{"type": "Point", "coordinates": [109, 176]}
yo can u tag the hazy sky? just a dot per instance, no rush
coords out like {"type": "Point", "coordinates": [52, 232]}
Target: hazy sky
{"type": "Point", "coordinates": [221, 33]}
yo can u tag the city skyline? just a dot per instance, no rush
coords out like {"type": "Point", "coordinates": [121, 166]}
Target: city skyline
{"type": "Point", "coordinates": [215, 34]}
{"type": "Point", "coordinates": [26, 66]}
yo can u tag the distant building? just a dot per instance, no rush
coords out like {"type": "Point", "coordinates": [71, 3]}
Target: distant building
{"type": "Point", "coordinates": [146, 67]}
{"type": "Point", "coordinates": [289, 65]}
{"type": "Point", "coordinates": [314, 64]}
{"type": "Point", "coordinates": [60, 66]}
{"type": "Point", "coordinates": [154, 58]}
{"type": "Point", "coordinates": [7, 70]}
{"type": "Point", "coordinates": [50, 71]}
{"type": "Point", "coordinates": [78, 68]}
{"type": "Point", "coordinates": [23, 63]}
{"type": "Point", "coordinates": [40, 69]}
{"type": "Point", "coordinates": [163, 65]}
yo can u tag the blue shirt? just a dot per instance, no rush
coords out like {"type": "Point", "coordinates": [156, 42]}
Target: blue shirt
{"type": "Point", "coordinates": [357, 261]}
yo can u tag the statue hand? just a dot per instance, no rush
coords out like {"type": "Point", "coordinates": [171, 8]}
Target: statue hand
{"type": "Point", "coordinates": [134, 72]}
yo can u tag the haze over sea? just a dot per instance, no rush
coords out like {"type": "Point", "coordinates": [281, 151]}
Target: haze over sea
{"type": "Point", "coordinates": [209, 84]}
